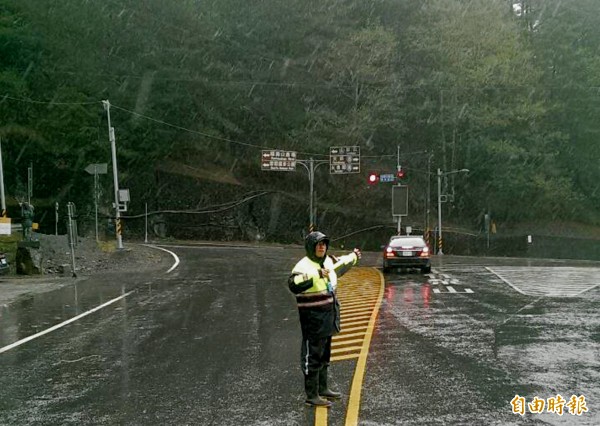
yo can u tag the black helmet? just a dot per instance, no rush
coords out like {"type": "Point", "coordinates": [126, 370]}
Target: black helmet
{"type": "Point", "coordinates": [310, 243]}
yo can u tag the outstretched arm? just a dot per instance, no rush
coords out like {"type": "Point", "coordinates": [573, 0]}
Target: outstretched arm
{"type": "Point", "coordinates": [344, 263]}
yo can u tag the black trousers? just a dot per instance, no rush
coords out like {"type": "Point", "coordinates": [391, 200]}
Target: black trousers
{"type": "Point", "coordinates": [315, 354]}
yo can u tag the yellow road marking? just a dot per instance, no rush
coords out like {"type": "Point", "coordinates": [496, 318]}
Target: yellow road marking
{"type": "Point", "coordinates": [364, 321]}
{"type": "Point", "coordinates": [321, 416]}
{"type": "Point", "coordinates": [355, 282]}
{"type": "Point", "coordinates": [344, 357]}
{"type": "Point", "coordinates": [356, 328]}
{"type": "Point", "coordinates": [347, 349]}
{"type": "Point", "coordinates": [342, 343]}
{"type": "Point", "coordinates": [358, 299]}
{"type": "Point", "coordinates": [359, 372]}
{"type": "Point", "coordinates": [355, 310]}
{"type": "Point", "coordinates": [346, 336]}
{"type": "Point", "coordinates": [356, 316]}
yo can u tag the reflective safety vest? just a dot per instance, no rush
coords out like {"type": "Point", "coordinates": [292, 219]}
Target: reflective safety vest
{"type": "Point", "coordinates": [310, 288]}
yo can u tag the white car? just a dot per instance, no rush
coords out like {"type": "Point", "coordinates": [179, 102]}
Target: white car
{"type": "Point", "coordinates": [406, 251]}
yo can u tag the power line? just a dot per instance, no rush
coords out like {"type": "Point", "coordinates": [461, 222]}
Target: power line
{"type": "Point", "coordinates": [212, 209]}
{"type": "Point", "coordinates": [164, 123]}
{"type": "Point", "coordinates": [175, 126]}
{"type": "Point", "coordinates": [185, 129]}
{"type": "Point", "coordinates": [34, 101]}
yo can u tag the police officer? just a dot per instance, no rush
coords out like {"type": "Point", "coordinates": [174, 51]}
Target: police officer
{"type": "Point", "coordinates": [27, 215]}
{"type": "Point", "coordinates": [313, 281]}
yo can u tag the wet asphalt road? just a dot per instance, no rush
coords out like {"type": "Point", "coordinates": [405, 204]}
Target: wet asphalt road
{"type": "Point", "coordinates": [216, 342]}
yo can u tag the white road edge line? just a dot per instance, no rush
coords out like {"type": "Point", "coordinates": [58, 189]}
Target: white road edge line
{"type": "Point", "coordinates": [504, 279]}
{"type": "Point", "coordinates": [62, 324]}
{"type": "Point", "coordinates": [587, 289]}
{"type": "Point", "coordinates": [168, 251]}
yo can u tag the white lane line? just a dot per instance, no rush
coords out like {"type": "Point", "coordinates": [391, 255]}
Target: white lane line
{"type": "Point", "coordinates": [168, 251]}
{"type": "Point", "coordinates": [223, 247]}
{"type": "Point", "coordinates": [62, 324]}
{"type": "Point", "coordinates": [550, 282]}
{"type": "Point", "coordinates": [503, 279]}
{"type": "Point", "coordinates": [586, 289]}
{"type": "Point", "coordinates": [451, 289]}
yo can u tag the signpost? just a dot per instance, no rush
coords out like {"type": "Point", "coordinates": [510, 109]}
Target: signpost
{"type": "Point", "coordinates": [344, 159]}
{"type": "Point", "coordinates": [72, 233]}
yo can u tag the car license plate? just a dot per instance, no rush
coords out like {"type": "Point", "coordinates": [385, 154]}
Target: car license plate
{"type": "Point", "coordinates": [407, 253]}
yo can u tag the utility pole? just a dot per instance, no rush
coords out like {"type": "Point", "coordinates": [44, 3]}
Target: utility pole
{"type": "Point", "coordinates": [146, 224]}
{"type": "Point", "coordinates": [2, 183]}
{"type": "Point", "coordinates": [439, 183]}
{"type": "Point", "coordinates": [398, 168]}
{"type": "Point", "coordinates": [111, 136]}
{"type": "Point", "coordinates": [96, 203]}
{"type": "Point", "coordinates": [56, 218]}
{"type": "Point", "coordinates": [29, 183]}
{"type": "Point", "coordinates": [428, 202]}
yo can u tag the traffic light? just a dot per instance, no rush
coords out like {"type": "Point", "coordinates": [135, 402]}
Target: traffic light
{"type": "Point", "coordinates": [400, 174]}
{"type": "Point", "coordinates": [373, 178]}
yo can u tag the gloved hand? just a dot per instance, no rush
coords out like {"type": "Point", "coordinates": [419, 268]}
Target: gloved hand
{"type": "Point", "coordinates": [357, 252]}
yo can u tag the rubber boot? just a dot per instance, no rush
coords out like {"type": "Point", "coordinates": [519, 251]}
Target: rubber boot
{"type": "Point", "coordinates": [324, 390]}
{"type": "Point", "coordinates": [311, 386]}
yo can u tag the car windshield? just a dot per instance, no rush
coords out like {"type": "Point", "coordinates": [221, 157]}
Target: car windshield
{"type": "Point", "coordinates": [407, 242]}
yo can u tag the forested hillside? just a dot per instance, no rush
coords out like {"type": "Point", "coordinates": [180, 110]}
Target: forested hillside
{"type": "Point", "coordinates": [506, 89]}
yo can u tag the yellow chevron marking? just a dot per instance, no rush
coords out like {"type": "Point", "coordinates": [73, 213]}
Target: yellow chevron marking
{"type": "Point", "coordinates": [344, 343]}
{"type": "Point", "coordinates": [360, 292]}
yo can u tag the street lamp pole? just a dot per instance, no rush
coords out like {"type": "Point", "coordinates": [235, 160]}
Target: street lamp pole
{"type": "Point", "coordinates": [310, 167]}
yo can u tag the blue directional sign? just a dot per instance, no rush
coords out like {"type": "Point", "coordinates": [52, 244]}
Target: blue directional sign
{"type": "Point", "coordinates": [388, 177]}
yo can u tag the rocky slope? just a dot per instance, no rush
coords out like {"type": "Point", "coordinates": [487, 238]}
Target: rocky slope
{"type": "Point", "coordinates": [93, 257]}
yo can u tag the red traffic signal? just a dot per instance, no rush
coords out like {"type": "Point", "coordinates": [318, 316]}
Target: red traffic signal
{"type": "Point", "coordinates": [373, 178]}
{"type": "Point", "coordinates": [401, 174]}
